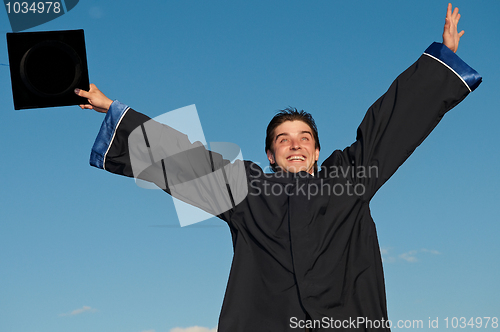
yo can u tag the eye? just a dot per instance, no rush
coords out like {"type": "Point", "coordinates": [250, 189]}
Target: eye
{"type": "Point", "coordinates": [284, 140]}
{"type": "Point", "coordinates": [305, 138]}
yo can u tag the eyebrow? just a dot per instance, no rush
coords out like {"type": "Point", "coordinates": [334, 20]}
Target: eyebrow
{"type": "Point", "coordinates": [287, 134]}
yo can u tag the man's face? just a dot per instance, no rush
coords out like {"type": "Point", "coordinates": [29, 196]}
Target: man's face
{"type": "Point", "coordinates": [294, 148]}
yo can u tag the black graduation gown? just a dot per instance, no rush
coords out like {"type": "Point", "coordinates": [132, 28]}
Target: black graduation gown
{"type": "Point", "coordinates": [304, 247]}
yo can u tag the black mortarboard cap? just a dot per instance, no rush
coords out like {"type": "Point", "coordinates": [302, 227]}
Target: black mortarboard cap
{"type": "Point", "coordinates": [46, 67]}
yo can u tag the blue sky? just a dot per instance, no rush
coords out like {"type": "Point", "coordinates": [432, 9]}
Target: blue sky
{"type": "Point", "coordinates": [85, 250]}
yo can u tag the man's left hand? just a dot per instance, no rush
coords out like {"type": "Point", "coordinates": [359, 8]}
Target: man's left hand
{"type": "Point", "coordinates": [451, 36]}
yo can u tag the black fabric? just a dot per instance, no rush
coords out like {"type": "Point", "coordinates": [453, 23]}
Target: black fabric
{"type": "Point", "coordinates": [305, 249]}
{"type": "Point", "coordinates": [118, 159]}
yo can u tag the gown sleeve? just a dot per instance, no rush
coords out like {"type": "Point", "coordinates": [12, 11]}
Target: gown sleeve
{"type": "Point", "coordinates": [131, 144]}
{"type": "Point", "coordinates": [404, 116]}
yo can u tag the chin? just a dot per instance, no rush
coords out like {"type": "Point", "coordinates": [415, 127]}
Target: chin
{"type": "Point", "coordinates": [297, 169]}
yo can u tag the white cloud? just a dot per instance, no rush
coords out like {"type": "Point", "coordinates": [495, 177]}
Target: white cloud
{"type": "Point", "coordinates": [79, 311]}
{"type": "Point", "coordinates": [431, 251]}
{"type": "Point", "coordinates": [193, 329]}
{"type": "Point", "coordinates": [385, 255]}
{"type": "Point", "coordinates": [410, 256]}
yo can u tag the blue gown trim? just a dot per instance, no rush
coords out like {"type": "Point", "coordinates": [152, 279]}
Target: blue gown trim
{"type": "Point", "coordinates": [442, 53]}
{"type": "Point", "coordinates": [106, 134]}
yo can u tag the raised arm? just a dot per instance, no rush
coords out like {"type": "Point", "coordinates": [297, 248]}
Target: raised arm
{"type": "Point", "coordinates": [131, 144]}
{"type": "Point", "coordinates": [451, 36]}
{"type": "Point", "coordinates": [410, 109]}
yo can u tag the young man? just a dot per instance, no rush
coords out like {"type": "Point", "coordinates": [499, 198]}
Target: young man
{"type": "Point", "coordinates": [306, 254]}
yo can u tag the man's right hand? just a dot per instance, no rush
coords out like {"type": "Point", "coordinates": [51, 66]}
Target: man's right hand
{"type": "Point", "coordinates": [97, 100]}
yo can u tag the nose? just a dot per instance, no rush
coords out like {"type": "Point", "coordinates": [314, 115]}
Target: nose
{"type": "Point", "coordinates": [294, 144]}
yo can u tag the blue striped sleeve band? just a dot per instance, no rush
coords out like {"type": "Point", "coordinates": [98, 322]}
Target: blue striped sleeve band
{"type": "Point", "coordinates": [107, 133]}
{"type": "Point", "coordinates": [443, 54]}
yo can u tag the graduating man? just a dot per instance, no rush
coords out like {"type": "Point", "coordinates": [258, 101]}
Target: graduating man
{"type": "Point", "coordinates": [306, 254]}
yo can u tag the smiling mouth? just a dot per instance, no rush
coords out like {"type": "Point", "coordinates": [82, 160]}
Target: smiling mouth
{"type": "Point", "coordinates": [296, 158]}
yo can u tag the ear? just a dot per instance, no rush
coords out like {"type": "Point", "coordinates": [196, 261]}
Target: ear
{"type": "Point", "coordinates": [316, 154]}
{"type": "Point", "coordinates": [270, 156]}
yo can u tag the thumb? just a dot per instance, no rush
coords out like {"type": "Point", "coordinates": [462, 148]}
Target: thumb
{"type": "Point", "coordinates": [82, 93]}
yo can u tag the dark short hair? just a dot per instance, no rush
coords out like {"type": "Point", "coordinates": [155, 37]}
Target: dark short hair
{"type": "Point", "coordinates": [290, 114]}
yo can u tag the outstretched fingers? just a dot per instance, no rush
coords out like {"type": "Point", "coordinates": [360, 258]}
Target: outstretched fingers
{"type": "Point", "coordinates": [451, 36]}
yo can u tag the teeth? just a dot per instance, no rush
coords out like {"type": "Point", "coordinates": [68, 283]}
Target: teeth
{"type": "Point", "coordinates": [296, 158]}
